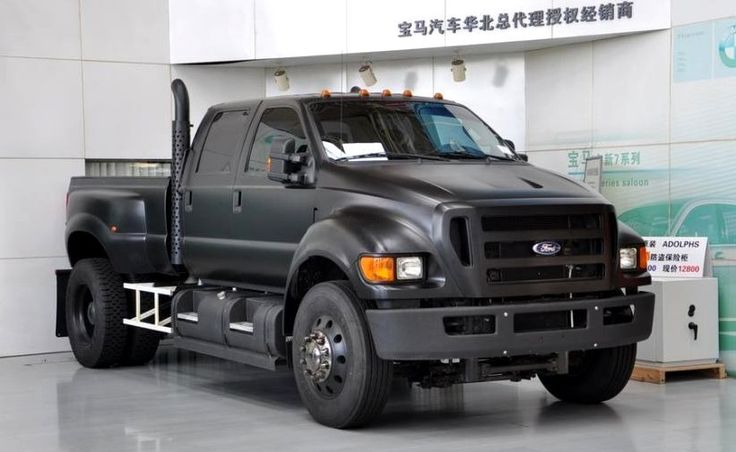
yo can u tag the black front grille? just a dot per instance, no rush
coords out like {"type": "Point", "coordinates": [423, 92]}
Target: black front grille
{"type": "Point", "coordinates": [575, 259]}
{"type": "Point", "coordinates": [541, 222]}
{"type": "Point", "coordinates": [545, 273]}
{"type": "Point", "coordinates": [525, 248]}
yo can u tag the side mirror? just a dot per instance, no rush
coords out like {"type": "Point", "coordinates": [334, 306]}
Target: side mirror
{"type": "Point", "coordinates": [285, 165]}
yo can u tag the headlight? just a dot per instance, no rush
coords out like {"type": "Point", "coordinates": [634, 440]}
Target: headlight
{"type": "Point", "coordinates": [408, 268]}
{"type": "Point", "coordinates": [387, 269]}
{"type": "Point", "coordinates": [627, 258]}
{"type": "Point", "coordinates": [633, 258]}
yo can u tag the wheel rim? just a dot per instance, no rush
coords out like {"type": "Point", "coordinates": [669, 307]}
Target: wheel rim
{"type": "Point", "coordinates": [85, 312]}
{"type": "Point", "coordinates": [323, 357]}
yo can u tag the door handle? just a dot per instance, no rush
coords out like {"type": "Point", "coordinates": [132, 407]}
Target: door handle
{"type": "Point", "coordinates": [187, 200]}
{"type": "Point", "coordinates": [237, 201]}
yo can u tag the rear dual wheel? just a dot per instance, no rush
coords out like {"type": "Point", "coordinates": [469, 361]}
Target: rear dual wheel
{"type": "Point", "coordinates": [96, 305]}
{"type": "Point", "coordinates": [340, 378]}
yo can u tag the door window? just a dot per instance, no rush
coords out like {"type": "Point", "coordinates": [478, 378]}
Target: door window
{"type": "Point", "coordinates": [275, 123]}
{"type": "Point", "coordinates": [223, 139]}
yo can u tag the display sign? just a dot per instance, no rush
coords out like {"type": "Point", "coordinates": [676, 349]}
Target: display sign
{"type": "Point", "coordinates": [671, 257]}
{"type": "Point", "coordinates": [601, 12]}
{"type": "Point", "coordinates": [594, 172]}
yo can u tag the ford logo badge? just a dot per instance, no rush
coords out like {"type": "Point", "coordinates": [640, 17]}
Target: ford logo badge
{"type": "Point", "coordinates": [547, 248]}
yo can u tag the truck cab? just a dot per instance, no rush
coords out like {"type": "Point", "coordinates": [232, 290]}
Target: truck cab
{"type": "Point", "coordinates": [356, 237]}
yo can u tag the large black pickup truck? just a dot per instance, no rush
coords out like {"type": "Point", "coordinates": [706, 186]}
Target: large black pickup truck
{"type": "Point", "coordinates": [357, 238]}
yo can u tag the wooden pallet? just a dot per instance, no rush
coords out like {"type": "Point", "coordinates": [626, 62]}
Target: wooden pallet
{"type": "Point", "coordinates": [652, 373]}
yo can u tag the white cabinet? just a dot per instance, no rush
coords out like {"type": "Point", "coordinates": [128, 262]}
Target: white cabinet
{"type": "Point", "coordinates": [685, 322]}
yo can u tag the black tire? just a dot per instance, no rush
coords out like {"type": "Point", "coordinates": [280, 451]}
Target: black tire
{"type": "Point", "coordinates": [95, 308]}
{"type": "Point", "coordinates": [595, 375]}
{"type": "Point", "coordinates": [357, 386]}
{"type": "Point", "coordinates": [140, 346]}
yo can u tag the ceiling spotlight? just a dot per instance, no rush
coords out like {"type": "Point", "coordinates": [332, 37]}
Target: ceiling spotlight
{"type": "Point", "coordinates": [458, 70]}
{"type": "Point", "coordinates": [366, 73]}
{"type": "Point", "coordinates": [281, 79]}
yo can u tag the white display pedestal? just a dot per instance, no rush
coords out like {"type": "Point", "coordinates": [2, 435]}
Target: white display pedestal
{"type": "Point", "coordinates": [680, 305]}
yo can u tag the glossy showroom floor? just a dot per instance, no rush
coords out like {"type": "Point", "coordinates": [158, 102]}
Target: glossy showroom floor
{"type": "Point", "coordinates": [183, 402]}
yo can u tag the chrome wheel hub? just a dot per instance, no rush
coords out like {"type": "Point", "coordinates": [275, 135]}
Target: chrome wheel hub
{"type": "Point", "coordinates": [316, 356]}
{"type": "Point", "coordinates": [91, 313]}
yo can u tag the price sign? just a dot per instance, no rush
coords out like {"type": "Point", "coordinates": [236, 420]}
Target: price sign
{"type": "Point", "coordinates": [682, 257]}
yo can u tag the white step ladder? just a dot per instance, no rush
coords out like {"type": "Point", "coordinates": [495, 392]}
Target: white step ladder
{"type": "Point", "coordinates": [138, 321]}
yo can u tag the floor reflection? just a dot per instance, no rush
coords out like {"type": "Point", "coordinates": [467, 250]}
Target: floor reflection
{"type": "Point", "coordinates": [184, 401]}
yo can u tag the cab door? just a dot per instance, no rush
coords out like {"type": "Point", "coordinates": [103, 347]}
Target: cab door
{"type": "Point", "coordinates": [270, 218]}
{"type": "Point", "coordinates": [207, 214]}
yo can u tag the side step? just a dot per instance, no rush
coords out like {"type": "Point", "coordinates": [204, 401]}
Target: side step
{"type": "Point", "coordinates": [246, 327]}
{"type": "Point", "coordinates": [240, 355]}
{"type": "Point", "coordinates": [239, 325]}
{"type": "Point", "coordinates": [158, 324]}
{"type": "Point", "coordinates": [188, 317]}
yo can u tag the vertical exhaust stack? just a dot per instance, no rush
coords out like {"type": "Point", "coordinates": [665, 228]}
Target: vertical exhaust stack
{"type": "Point", "coordinates": [180, 143]}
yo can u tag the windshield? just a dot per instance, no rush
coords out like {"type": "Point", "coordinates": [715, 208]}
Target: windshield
{"type": "Point", "coordinates": [358, 129]}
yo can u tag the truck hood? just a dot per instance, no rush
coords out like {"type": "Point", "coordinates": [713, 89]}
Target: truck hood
{"type": "Point", "coordinates": [456, 181]}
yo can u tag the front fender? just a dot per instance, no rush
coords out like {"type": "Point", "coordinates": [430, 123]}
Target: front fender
{"type": "Point", "coordinates": [347, 235]}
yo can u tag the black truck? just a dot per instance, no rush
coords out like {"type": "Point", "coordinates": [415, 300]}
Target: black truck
{"type": "Point", "coordinates": [357, 238]}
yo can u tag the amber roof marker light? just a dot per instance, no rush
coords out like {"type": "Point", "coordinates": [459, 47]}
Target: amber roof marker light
{"type": "Point", "coordinates": [438, 96]}
{"type": "Point", "coordinates": [407, 93]}
{"type": "Point", "coordinates": [363, 93]}
{"type": "Point", "coordinates": [386, 93]}
{"type": "Point", "coordinates": [325, 93]}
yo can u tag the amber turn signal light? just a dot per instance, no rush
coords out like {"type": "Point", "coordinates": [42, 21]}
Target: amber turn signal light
{"type": "Point", "coordinates": [377, 269]}
{"type": "Point", "coordinates": [643, 258]}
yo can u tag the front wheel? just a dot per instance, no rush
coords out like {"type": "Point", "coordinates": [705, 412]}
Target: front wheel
{"type": "Point", "coordinates": [341, 380]}
{"type": "Point", "coordinates": [595, 375]}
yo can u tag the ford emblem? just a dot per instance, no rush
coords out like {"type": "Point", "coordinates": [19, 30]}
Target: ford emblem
{"type": "Point", "coordinates": [547, 248]}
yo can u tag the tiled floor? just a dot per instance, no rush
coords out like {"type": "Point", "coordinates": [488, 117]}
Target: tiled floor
{"type": "Point", "coordinates": [184, 402]}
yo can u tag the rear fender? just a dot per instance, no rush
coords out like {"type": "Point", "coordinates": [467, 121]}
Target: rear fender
{"type": "Point", "coordinates": [126, 251]}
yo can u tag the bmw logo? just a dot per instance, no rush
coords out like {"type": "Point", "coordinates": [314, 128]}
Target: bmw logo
{"type": "Point", "coordinates": [547, 248]}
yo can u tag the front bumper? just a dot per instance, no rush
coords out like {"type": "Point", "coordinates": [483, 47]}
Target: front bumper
{"type": "Point", "coordinates": [419, 334]}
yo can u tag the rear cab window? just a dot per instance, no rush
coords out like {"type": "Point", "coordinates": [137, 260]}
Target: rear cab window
{"type": "Point", "coordinates": [223, 142]}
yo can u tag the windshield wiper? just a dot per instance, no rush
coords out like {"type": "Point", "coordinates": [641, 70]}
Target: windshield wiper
{"type": "Point", "coordinates": [391, 156]}
{"type": "Point", "coordinates": [465, 155]}
{"type": "Point", "coordinates": [498, 157]}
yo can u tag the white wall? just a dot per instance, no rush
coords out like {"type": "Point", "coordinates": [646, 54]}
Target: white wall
{"type": "Point", "coordinates": [205, 31]}
{"type": "Point", "coordinates": [72, 89]}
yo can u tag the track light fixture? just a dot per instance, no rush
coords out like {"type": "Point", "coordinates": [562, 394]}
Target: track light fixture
{"type": "Point", "coordinates": [366, 73]}
{"type": "Point", "coordinates": [458, 69]}
{"type": "Point", "coordinates": [281, 79]}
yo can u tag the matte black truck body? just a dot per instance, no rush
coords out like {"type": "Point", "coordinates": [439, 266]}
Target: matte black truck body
{"type": "Point", "coordinates": [473, 222]}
